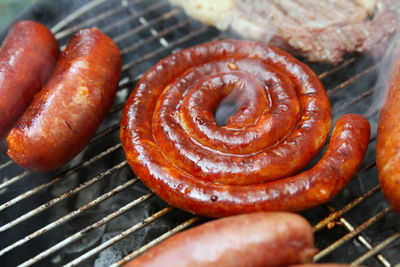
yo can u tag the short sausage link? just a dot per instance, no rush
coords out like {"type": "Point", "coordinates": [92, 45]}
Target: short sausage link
{"type": "Point", "coordinates": [257, 239]}
{"type": "Point", "coordinates": [67, 111]}
{"type": "Point", "coordinates": [28, 56]}
{"type": "Point", "coordinates": [174, 145]}
{"type": "Point", "coordinates": [388, 141]}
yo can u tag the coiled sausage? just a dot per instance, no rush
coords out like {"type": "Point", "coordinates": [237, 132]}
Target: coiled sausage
{"type": "Point", "coordinates": [67, 111]}
{"type": "Point", "coordinates": [323, 265]}
{"type": "Point", "coordinates": [28, 56]}
{"type": "Point", "coordinates": [174, 145]}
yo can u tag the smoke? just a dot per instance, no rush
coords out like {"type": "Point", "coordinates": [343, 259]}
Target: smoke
{"type": "Point", "coordinates": [384, 70]}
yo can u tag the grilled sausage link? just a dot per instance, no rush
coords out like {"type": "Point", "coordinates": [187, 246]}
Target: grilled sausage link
{"type": "Point", "coordinates": [388, 141]}
{"type": "Point", "coordinates": [28, 56]}
{"type": "Point", "coordinates": [67, 111]}
{"type": "Point", "coordinates": [175, 147]}
{"type": "Point", "coordinates": [258, 239]}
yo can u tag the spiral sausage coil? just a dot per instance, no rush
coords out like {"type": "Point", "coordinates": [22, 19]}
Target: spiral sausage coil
{"type": "Point", "coordinates": [282, 120]}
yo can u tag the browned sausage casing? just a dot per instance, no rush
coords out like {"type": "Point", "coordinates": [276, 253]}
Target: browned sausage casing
{"type": "Point", "coordinates": [258, 239]}
{"type": "Point", "coordinates": [174, 145]}
{"type": "Point", "coordinates": [68, 110]}
{"type": "Point", "coordinates": [28, 56]}
{"type": "Point", "coordinates": [388, 141]}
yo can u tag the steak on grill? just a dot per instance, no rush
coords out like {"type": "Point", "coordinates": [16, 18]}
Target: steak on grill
{"type": "Point", "coordinates": [318, 30]}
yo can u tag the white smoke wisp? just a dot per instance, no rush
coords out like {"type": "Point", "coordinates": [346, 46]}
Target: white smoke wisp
{"type": "Point", "coordinates": [384, 70]}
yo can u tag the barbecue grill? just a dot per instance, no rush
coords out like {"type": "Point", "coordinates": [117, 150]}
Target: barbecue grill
{"type": "Point", "coordinates": [94, 211]}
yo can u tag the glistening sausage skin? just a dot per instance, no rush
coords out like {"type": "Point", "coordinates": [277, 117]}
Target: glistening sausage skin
{"type": "Point", "coordinates": [257, 239]}
{"type": "Point", "coordinates": [308, 189]}
{"type": "Point", "coordinates": [27, 58]}
{"type": "Point", "coordinates": [68, 110]}
{"type": "Point", "coordinates": [388, 141]}
{"type": "Point", "coordinates": [174, 145]}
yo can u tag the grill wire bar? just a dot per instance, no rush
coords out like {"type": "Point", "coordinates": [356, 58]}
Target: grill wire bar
{"type": "Point", "coordinates": [93, 226]}
{"type": "Point", "coordinates": [152, 26]}
{"type": "Point", "coordinates": [156, 241]}
{"type": "Point", "coordinates": [119, 236]}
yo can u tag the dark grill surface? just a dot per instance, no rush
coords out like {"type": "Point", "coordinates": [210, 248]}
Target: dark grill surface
{"type": "Point", "coordinates": [94, 211]}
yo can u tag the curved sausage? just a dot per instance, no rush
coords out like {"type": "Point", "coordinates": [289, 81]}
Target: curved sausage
{"type": "Point", "coordinates": [291, 124]}
{"type": "Point", "coordinates": [28, 56]}
{"type": "Point", "coordinates": [175, 147]}
{"type": "Point", "coordinates": [388, 141]}
{"type": "Point", "coordinates": [258, 239]}
{"type": "Point", "coordinates": [67, 111]}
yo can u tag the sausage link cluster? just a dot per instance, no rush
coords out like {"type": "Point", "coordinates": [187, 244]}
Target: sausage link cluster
{"type": "Point", "coordinates": [66, 112]}
{"type": "Point", "coordinates": [283, 118]}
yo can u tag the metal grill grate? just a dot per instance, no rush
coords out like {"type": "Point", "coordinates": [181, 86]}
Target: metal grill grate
{"type": "Point", "coordinates": [44, 216]}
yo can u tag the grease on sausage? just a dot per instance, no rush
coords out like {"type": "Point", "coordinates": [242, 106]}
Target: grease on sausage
{"type": "Point", "coordinates": [211, 178]}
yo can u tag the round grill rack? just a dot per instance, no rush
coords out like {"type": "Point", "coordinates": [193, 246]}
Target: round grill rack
{"type": "Point", "coordinates": [95, 211]}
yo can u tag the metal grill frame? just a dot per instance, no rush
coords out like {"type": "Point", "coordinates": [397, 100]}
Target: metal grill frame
{"type": "Point", "coordinates": [63, 30]}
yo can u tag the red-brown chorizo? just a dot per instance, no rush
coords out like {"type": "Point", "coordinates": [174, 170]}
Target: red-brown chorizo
{"type": "Point", "coordinates": [67, 111]}
{"type": "Point", "coordinates": [174, 145]}
{"type": "Point", "coordinates": [28, 56]}
{"type": "Point", "coordinates": [257, 239]}
{"type": "Point", "coordinates": [388, 141]}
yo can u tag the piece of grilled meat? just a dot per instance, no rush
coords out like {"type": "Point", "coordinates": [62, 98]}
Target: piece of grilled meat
{"type": "Point", "coordinates": [321, 31]}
